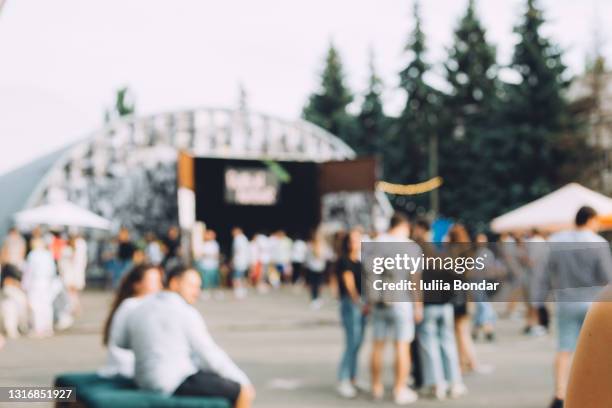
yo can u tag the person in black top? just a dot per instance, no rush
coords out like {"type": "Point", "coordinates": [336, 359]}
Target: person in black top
{"type": "Point", "coordinates": [349, 273]}
{"type": "Point", "coordinates": [172, 246]}
{"type": "Point", "coordinates": [125, 255]}
{"type": "Point", "coordinates": [437, 346]}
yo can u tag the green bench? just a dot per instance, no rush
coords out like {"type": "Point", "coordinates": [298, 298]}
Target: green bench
{"type": "Point", "coordinates": [93, 391]}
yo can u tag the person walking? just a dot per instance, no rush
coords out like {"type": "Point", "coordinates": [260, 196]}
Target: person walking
{"type": "Point", "coordinates": [579, 264]}
{"type": "Point", "coordinates": [352, 311]}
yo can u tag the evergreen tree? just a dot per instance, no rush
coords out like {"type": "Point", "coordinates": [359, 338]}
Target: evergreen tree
{"type": "Point", "coordinates": [327, 107]}
{"type": "Point", "coordinates": [472, 107]}
{"type": "Point", "coordinates": [406, 152]}
{"type": "Point", "coordinates": [536, 113]}
{"type": "Point", "coordinates": [372, 122]}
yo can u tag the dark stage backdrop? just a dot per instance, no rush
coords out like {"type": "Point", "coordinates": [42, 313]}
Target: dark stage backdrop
{"type": "Point", "coordinates": [297, 209]}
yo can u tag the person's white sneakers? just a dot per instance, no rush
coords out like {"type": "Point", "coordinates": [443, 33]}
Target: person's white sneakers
{"type": "Point", "coordinates": [537, 331]}
{"type": "Point", "coordinates": [483, 369]}
{"type": "Point", "coordinates": [437, 392]}
{"type": "Point", "coordinates": [346, 390]}
{"type": "Point", "coordinates": [64, 322]}
{"type": "Point", "coordinates": [405, 397]}
{"type": "Point", "coordinates": [316, 304]}
{"type": "Point", "coordinates": [457, 391]}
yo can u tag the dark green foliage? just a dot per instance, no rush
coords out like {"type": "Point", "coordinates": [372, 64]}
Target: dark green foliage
{"type": "Point", "coordinates": [327, 107]}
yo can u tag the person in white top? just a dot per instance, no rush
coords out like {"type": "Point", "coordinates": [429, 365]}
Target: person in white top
{"type": "Point", "coordinates": [13, 303]}
{"type": "Point", "coordinates": [283, 255]}
{"type": "Point", "coordinates": [208, 260]}
{"type": "Point", "coordinates": [140, 282]}
{"type": "Point", "coordinates": [318, 254]}
{"type": "Point", "coordinates": [72, 266]}
{"type": "Point", "coordinates": [397, 318]}
{"type": "Point", "coordinates": [241, 253]}
{"type": "Point", "coordinates": [298, 256]}
{"type": "Point", "coordinates": [262, 249]}
{"type": "Point", "coordinates": [37, 283]}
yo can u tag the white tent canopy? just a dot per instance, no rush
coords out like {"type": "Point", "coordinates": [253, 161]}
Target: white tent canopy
{"type": "Point", "coordinates": [64, 214]}
{"type": "Point", "coordinates": [554, 211]}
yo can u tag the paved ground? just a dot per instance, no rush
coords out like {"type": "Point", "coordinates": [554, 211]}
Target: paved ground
{"type": "Point", "coordinates": [290, 352]}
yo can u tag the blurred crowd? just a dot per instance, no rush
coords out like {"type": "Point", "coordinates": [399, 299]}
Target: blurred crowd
{"type": "Point", "coordinates": [43, 273]}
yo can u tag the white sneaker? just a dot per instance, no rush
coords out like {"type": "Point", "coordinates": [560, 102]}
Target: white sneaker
{"type": "Point", "coordinates": [316, 304]}
{"type": "Point", "coordinates": [537, 331]}
{"type": "Point", "coordinates": [405, 397]}
{"type": "Point", "coordinates": [457, 391]}
{"type": "Point", "coordinates": [437, 392]}
{"type": "Point", "coordinates": [346, 390]}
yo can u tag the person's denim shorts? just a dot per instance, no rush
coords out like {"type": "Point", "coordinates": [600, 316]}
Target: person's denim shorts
{"type": "Point", "coordinates": [570, 316]}
{"type": "Point", "coordinates": [393, 321]}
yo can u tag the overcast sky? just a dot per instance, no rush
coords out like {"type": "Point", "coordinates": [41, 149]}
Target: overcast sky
{"type": "Point", "coordinates": [61, 60]}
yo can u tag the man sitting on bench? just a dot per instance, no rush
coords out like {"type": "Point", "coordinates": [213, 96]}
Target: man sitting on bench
{"type": "Point", "coordinates": [174, 352]}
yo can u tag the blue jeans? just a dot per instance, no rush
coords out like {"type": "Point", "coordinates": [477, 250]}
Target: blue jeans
{"type": "Point", "coordinates": [484, 314]}
{"type": "Point", "coordinates": [353, 323]}
{"type": "Point", "coordinates": [210, 277]}
{"type": "Point", "coordinates": [119, 268]}
{"type": "Point", "coordinates": [437, 346]}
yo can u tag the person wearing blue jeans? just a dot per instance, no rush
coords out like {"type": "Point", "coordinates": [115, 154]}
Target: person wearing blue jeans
{"type": "Point", "coordinates": [437, 343]}
{"type": "Point", "coordinates": [349, 272]}
{"type": "Point", "coordinates": [438, 351]}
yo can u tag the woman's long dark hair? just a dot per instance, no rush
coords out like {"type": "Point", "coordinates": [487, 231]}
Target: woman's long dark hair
{"type": "Point", "coordinates": [126, 290]}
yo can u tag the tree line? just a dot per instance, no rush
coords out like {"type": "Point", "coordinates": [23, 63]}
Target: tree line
{"type": "Point", "coordinates": [497, 144]}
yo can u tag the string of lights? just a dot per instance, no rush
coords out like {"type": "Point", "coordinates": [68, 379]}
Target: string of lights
{"type": "Point", "coordinates": [410, 189]}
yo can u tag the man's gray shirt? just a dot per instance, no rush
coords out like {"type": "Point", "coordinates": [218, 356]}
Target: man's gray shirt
{"type": "Point", "coordinates": [170, 342]}
{"type": "Point", "coordinates": [579, 264]}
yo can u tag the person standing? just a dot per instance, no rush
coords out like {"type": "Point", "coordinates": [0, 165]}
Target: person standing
{"type": "Point", "coordinates": [484, 314]}
{"type": "Point", "coordinates": [298, 256]}
{"type": "Point", "coordinates": [125, 255]}
{"type": "Point", "coordinates": [208, 260]}
{"type": "Point", "coordinates": [72, 266]}
{"type": "Point", "coordinates": [174, 352]}
{"type": "Point", "coordinates": [37, 281]}
{"type": "Point", "coordinates": [352, 308]}
{"type": "Point", "coordinates": [240, 261]}
{"type": "Point", "coordinates": [172, 247]}
{"type": "Point", "coordinates": [14, 249]}
{"type": "Point", "coordinates": [579, 262]}
{"type": "Point", "coordinates": [13, 303]}
{"type": "Point", "coordinates": [153, 250]}
{"type": "Point", "coordinates": [317, 256]}
{"type": "Point", "coordinates": [459, 245]}
{"type": "Point", "coordinates": [395, 320]}
{"type": "Point", "coordinates": [437, 343]}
